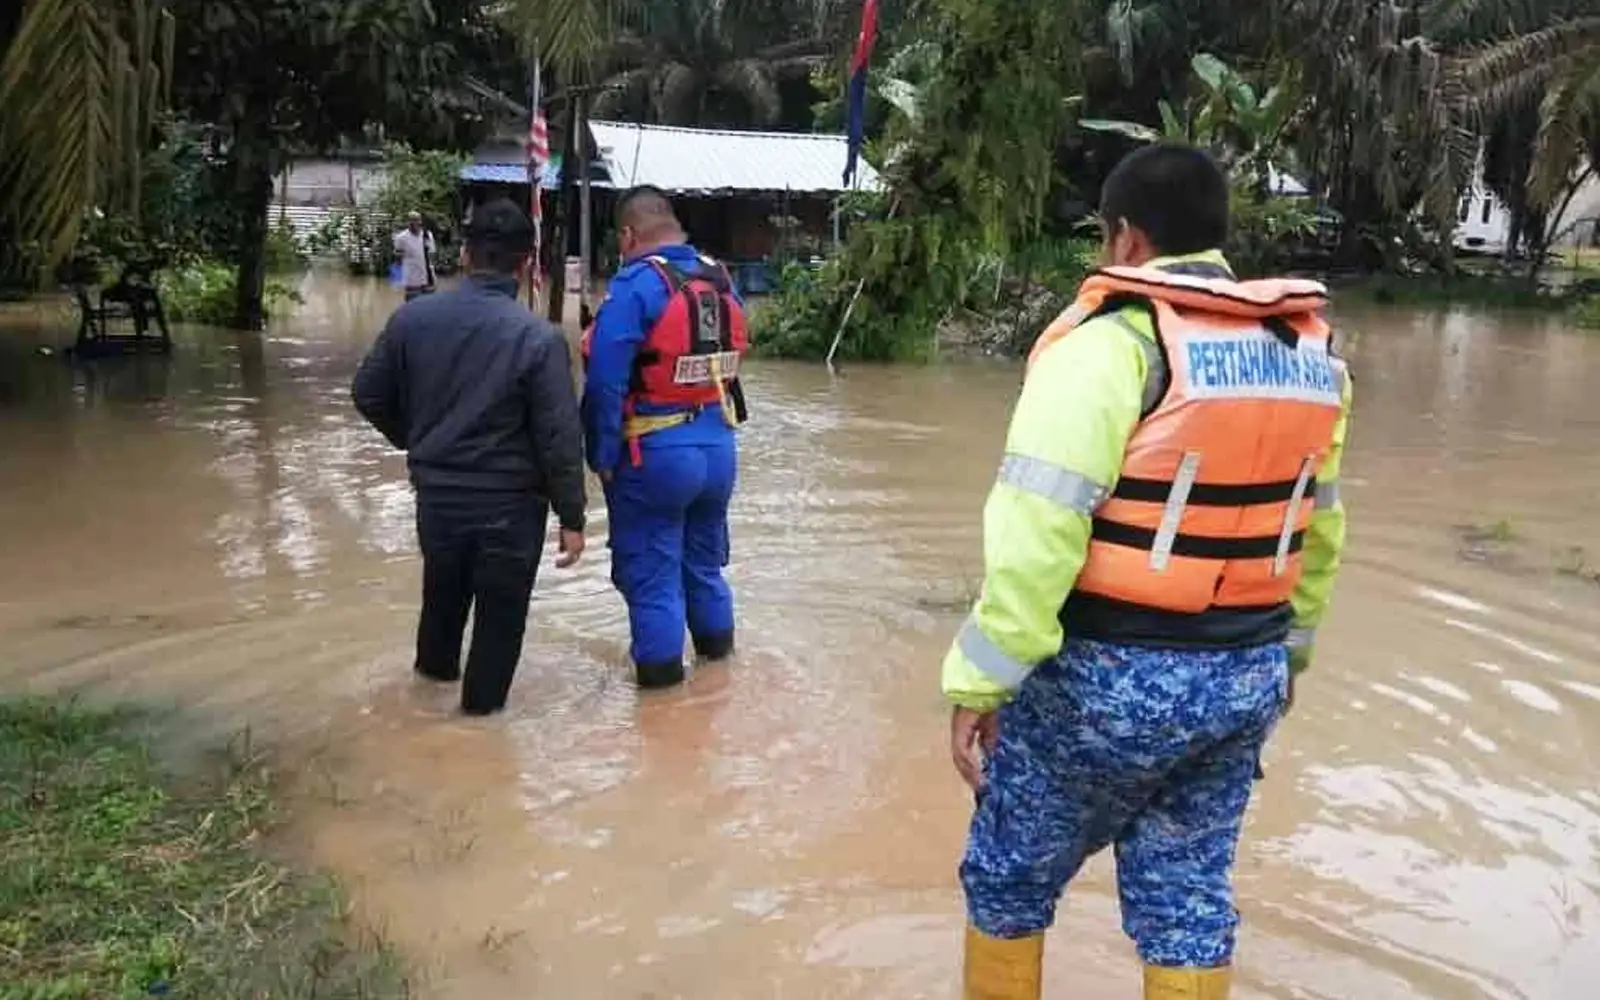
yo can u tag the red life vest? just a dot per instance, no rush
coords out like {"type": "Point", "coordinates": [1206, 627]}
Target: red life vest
{"type": "Point", "coordinates": [691, 356]}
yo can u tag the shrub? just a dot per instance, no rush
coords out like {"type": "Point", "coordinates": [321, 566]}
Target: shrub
{"type": "Point", "coordinates": [204, 292]}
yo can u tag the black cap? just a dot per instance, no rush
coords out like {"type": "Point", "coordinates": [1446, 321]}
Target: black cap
{"type": "Point", "coordinates": [500, 222]}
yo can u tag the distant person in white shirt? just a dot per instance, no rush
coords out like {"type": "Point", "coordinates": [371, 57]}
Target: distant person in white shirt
{"type": "Point", "coordinates": [414, 248]}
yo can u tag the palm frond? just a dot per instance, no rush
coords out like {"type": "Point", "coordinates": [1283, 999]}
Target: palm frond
{"type": "Point", "coordinates": [752, 83]}
{"type": "Point", "coordinates": [674, 95]}
{"type": "Point", "coordinates": [623, 94]}
{"type": "Point", "coordinates": [1521, 65]}
{"type": "Point", "coordinates": [1567, 118]}
{"type": "Point", "coordinates": [570, 36]}
{"type": "Point", "coordinates": [64, 117]}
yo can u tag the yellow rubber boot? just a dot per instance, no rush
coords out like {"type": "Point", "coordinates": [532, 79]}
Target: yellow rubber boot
{"type": "Point", "coordinates": [1001, 969]}
{"type": "Point", "coordinates": [1162, 983]}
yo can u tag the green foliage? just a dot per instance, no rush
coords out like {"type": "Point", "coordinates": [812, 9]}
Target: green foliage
{"type": "Point", "coordinates": [284, 252]}
{"type": "Point", "coordinates": [973, 169]}
{"type": "Point", "coordinates": [203, 292]}
{"type": "Point", "coordinates": [361, 238]}
{"type": "Point", "coordinates": [1263, 232]}
{"type": "Point", "coordinates": [423, 181]}
{"type": "Point", "coordinates": [1493, 290]}
{"type": "Point", "coordinates": [82, 87]}
{"type": "Point", "coordinates": [319, 71]}
{"type": "Point", "coordinates": [929, 285]}
{"type": "Point", "coordinates": [1585, 312]}
{"type": "Point", "coordinates": [120, 882]}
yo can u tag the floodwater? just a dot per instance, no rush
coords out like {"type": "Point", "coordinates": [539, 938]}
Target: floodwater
{"type": "Point", "coordinates": [219, 531]}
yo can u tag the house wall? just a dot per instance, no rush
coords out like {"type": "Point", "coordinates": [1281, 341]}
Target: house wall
{"type": "Point", "coordinates": [1581, 223]}
{"type": "Point", "coordinates": [330, 182]}
{"type": "Point", "coordinates": [1483, 222]}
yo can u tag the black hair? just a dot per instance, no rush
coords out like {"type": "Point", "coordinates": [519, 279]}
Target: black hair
{"type": "Point", "coordinates": [499, 235]}
{"type": "Point", "coordinates": [644, 201]}
{"type": "Point", "coordinates": [1176, 195]}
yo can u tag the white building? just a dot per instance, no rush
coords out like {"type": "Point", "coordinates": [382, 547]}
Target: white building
{"type": "Point", "coordinates": [1483, 221]}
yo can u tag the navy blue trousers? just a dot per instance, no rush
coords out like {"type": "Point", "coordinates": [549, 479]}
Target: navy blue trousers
{"type": "Point", "coordinates": [1153, 751]}
{"type": "Point", "coordinates": [480, 553]}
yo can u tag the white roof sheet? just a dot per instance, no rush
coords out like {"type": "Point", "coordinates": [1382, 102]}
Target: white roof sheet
{"type": "Point", "coordinates": [684, 160]}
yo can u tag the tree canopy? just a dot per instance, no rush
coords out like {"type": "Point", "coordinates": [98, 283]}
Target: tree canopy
{"type": "Point", "coordinates": [978, 109]}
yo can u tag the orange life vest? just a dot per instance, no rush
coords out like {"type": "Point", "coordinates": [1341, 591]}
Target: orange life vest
{"type": "Point", "coordinates": [1218, 481]}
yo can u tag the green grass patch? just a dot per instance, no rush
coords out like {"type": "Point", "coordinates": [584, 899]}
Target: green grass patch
{"type": "Point", "coordinates": [120, 880]}
{"type": "Point", "coordinates": [1486, 290]}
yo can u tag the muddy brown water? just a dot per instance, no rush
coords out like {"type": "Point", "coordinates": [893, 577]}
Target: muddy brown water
{"type": "Point", "coordinates": [218, 531]}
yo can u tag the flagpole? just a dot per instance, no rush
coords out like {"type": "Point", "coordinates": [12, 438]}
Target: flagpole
{"type": "Point", "coordinates": [535, 202]}
{"type": "Point", "coordinates": [856, 100]}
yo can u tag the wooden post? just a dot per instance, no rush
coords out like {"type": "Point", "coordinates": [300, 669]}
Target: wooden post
{"type": "Point", "coordinates": [556, 311]}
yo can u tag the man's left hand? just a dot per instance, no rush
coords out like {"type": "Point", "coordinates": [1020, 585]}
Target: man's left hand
{"type": "Point", "coordinates": [972, 737]}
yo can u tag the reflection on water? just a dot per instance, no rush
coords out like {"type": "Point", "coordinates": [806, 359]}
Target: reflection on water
{"type": "Point", "coordinates": [218, 530]}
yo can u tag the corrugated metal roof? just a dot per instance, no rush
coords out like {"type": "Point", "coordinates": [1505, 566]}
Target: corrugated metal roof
{"type": "Point", "coordinates": [512, 173]}
{"type": "Point", "coordinates": [704, 160]}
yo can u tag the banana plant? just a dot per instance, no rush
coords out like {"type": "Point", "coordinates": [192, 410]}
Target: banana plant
{"type": "Point", "coordinates": [1228, 116]}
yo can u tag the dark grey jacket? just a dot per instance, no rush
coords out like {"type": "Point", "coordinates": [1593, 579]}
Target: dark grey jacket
{"type": "Point", "coordinates": [478, 392]}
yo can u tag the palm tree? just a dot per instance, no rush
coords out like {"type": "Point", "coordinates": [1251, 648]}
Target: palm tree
{"type": "Point", "coordinates": [717, 62]}
{"type": "Point", "coordinates": [1378, 129]}
{"type": "Point", "coordinates": [1533, 93]}
{"type": "Point", "coordinates": [82, 86]}
{"type": "Point", "coordinates": [1553, 74]}
{"type": "Point", "coordinates": [570, 37]}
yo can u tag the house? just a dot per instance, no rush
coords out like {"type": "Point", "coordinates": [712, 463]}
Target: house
{"type": "Point", "coordinates": [1483, 221]}
{"type": "Point", "coordinates": [749, 198]}
{"type": "Point", "coordinates": [313, 189]}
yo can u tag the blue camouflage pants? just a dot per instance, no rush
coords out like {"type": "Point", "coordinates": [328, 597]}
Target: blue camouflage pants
{"type": "Point", "coordinates": [1151, 750]}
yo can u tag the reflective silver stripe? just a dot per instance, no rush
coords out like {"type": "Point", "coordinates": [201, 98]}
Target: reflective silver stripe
{"type": "Point", "coordinates": [1302, 638]}
{"type": "Point", "coordinates": [1155, 375]}
{"type": "Point", "coordinates": [1072, 490]}
{"type": "Point", "coordinates": [1291, 513]}
{"type": "Point", "coordinates": [991, 659]}
{"type": "Point", "coordinates": [1177, 499]}
{"type": "Point", "coordinates": [1327, 494]}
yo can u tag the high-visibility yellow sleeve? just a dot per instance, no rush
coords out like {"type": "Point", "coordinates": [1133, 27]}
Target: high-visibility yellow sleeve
{"type": "Point", "coordinates": [1064, 450]}
{"type": "Point", "coordinates": [1322, 552]}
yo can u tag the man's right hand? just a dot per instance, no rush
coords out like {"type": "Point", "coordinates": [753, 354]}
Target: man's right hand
{"type": "Point", "coordinates": [972, 737]}
{"type": "Point", "coordinates": [571, 548]}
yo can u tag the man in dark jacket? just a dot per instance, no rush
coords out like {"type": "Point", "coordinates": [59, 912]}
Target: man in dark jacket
{"type": "Point", "coordinates": [479, 394]}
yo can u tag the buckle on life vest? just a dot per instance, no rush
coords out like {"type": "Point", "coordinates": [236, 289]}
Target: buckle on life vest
{"type": "Point", "coordinates": [637, 425]}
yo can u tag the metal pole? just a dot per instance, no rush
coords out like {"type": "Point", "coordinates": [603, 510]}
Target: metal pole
{"type": "Point", "coordinates": [584, 220]}
{"type": "Point", "coordinates": [838, 335]}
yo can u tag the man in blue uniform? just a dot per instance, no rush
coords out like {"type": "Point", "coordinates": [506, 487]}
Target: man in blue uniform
{"type": "Point", "coordinates": [661, 401]}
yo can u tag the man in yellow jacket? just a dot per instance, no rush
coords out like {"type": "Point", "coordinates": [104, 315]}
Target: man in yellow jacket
{"type": "Point", "coordinates": [1159, 547]}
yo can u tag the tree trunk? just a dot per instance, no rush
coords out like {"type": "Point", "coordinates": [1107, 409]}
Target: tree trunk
{"type": "Point", "coordinates": [563, 214]}
{"type": "Point", "coordinates": [252, 172]}
{"type": "Point", "coordinates": [1517, 218]}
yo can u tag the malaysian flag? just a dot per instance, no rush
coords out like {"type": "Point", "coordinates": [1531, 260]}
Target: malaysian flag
{"type": "Point", "coordinates": [538, 150]}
